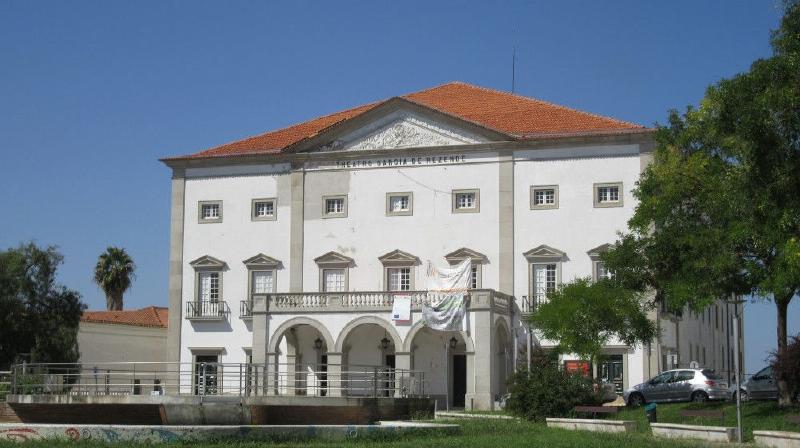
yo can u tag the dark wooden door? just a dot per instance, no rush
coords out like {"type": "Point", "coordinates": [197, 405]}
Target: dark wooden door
{"type": "Point", "coordinates": [459, 380]}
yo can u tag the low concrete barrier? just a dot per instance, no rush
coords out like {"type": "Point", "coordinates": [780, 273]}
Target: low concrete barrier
{"type": "Point", "coordinates": [708, 433]}
{"type": "Point", "coordinates": [163, 434]}
{"type": "Point", "coordinates": [777, 439]}
{"type": "Point", "coordinates": [590, 424]}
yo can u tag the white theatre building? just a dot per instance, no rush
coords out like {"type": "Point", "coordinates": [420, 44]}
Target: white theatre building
{"type": "Point", "coordinates": [288, 248]}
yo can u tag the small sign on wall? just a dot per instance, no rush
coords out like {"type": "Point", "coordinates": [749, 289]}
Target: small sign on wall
{"type": "Point", "coordinates": [577, 366]}
{"type": "Point", "coordinates": [401, 309]}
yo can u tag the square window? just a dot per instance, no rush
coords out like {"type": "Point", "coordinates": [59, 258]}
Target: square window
{"type": "Point", "coordinates": [209, 211]}
{"type": "Point", "coordinates": [544, 197]}
{"type": "Point", "coordinates": [263, 210]}
{"type": "Point", "coordinates": [399, 204]}
{"type": "Point", "coordinates": [334, 206]}
{"type": "Point", "coordinates": [398, 279]}
{"type": "Point", "coordinates": [466, 201]}
{"type": "Point", "coordinates": [608, 195]}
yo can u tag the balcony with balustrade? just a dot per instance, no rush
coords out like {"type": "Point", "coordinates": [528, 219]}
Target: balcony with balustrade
{"type": "Point", "coordinates": [212, 310]}
{"type": "Point", "coordinates": [372, 301]}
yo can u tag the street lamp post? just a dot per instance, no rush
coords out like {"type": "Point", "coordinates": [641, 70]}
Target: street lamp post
{"type": "Point", "coordinates": [736, 305]}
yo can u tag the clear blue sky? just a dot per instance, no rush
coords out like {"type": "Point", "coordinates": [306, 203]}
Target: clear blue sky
{"type": "Point", "coordinates": [92, 93]}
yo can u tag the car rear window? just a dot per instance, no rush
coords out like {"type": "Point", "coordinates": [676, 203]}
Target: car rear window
{"type": "Point", "coordinates": [712, 375]}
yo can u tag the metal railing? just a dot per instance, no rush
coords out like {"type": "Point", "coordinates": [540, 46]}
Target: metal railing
{"type": "Point", "coordinates": [5, 383]}
{"type": "Point", "coordinates": [215, 379]}
{"type": "Point", "coordinates": [528, 304]}
{"type": "Point", "coordinates": [207, 309]}
{"type": "Point", "coordinates": [246, 309]}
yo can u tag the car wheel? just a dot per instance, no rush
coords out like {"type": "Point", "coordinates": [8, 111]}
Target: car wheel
{"type": "Point", "coordinates": [635, 400]}
{"type": "Point", "coordinates": [745, 397]}
{"type": "Point", "coordinates": [699, 397]}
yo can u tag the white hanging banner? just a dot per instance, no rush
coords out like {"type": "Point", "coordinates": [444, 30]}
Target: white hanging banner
{"type": "Point", "coordinates": [446, 309]}
{"type": "Point", "coordinates": [401, 308]}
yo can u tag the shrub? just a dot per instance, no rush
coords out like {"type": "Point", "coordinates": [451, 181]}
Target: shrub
{"type": "Point", "coordinates": [548, 391]}
{"type": "Point", "coordinates": [786, 365]}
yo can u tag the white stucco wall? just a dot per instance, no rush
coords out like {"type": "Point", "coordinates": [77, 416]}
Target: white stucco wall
{"type": "Point", "coordinates": [430, 233]}
{"type": "Point", "coordinates": [234, 240]}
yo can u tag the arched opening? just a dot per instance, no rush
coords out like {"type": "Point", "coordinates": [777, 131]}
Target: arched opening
{"type": "Point", "coordinates": [368, 355]}
{"type": "Point", "coordinates": [503, 358]}
{"type": "Point", "coordinates": [300, 364]}
{"type": "Point", "coordinates": [441, 356]}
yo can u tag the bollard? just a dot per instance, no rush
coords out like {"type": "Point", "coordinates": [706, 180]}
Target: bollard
{"type": "Point", "coordinates": [650, 411]}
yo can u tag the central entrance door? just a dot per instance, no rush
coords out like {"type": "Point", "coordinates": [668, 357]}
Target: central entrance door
{"type": "Point", "coordinates": [459, 380]}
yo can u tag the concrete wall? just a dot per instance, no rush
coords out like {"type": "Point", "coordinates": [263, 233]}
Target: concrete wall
{"type": "Point", "coordinates": [103, 343]}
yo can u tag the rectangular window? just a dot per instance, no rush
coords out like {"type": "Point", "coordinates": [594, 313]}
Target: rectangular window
{"type": "Point", "coordinates": [608, 195]}
{"type": "Point", "coordinates": [209, 211]}
{"type": "Point", "coordinates": [208, 286]}
{"type": "Point", "coordinates": [600, 271]}
{"type": "Point", "coordinates": [263, 210]}
{"type": "Point", "coordinates": [544, 280]}
{"type": "Point", "coordinates": [544, 197]}
{"type": "Point", "coordinates": [333, 280]}
{"type": "Point", "coordinates": [473, 277]}
{"type": "Point", "coordinates": [399, 204]}
{"type": "Point", "coordinates": [466, 201]}
{"type": "Point", "coordinates": [334, 206]}
{"type": "Point", "coordinates": [262, 282]}
{"type": "Point", "coordinates": [398, 279]}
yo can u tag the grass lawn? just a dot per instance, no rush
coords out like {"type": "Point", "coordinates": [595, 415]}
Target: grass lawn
{"type": "Point", "coordinates": [758, 415]}
{"type": "Point", "coordinates": [476, 433]}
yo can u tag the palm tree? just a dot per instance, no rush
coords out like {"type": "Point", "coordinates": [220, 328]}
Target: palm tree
{"type": "Point", "coordinates": [114, 274]}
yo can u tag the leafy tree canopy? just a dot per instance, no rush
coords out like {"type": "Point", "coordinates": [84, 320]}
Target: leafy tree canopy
{"type": "Point", "coordinates": [719, 207]}
{"type": "Point", "coordinates": [38, 317]}
{"type": "Point", "coordinates": [584, 316]}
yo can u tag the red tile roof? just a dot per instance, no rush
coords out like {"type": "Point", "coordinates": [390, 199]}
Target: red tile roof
{"type": "Point", "coordinates": [517, 116]}
{"type": "Point", "coordinates": [152, 316]}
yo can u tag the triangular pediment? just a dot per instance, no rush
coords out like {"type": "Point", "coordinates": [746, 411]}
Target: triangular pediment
{"type": "Point", "coordinates": [595, 253]}
{"type": "Point", "coordinates": [208, 262]}
{"type": "Point", "coordinates": [333, 258]}
{"type": "Point", "coordinates": [262, 260]}
{"type": "Point", "coordinates": [398, 257]}
{"type": "Point", "coordinates": [544, 252]}
{"type": "Point", "coordinates": [464, 253]}
{"type": "Point", "coordinates": [398, 124]}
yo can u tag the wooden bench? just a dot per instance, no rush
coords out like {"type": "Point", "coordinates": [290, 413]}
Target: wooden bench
{"type": "Point", "coordinates": [793, 419]}
{"type": "Point", "coordinates": [594, 410]}
{"type": "Point", "coordinates": [704, 413]}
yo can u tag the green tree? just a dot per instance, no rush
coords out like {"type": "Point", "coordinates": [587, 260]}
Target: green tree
{"type": "Point", "coordinates": [719, 207]}
{"type": "Point", "coordinates": [584, 316]}
{"type": "Point", "coordinates": [37, 316]}
{"type": "Point", "coordinates": [114, 273]}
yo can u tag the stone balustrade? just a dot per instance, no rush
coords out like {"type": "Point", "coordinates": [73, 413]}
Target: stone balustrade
{"type": "Point", "coordinates": [360, 301]}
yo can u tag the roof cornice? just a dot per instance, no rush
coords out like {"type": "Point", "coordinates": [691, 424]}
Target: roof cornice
{"type": "Point", "coordinates": [542, 141]}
